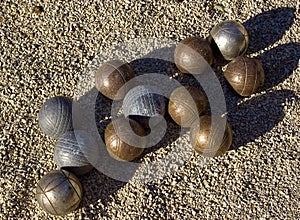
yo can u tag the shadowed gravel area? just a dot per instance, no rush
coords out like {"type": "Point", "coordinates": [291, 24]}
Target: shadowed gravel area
{"type": "Point", "coordinates": [47, 45]}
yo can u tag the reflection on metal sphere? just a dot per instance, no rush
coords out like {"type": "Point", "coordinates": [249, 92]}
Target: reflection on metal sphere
{"type": "Point", "coordinates": [59, 192]}
{"type": "Point", "coordinates": [231, 39]}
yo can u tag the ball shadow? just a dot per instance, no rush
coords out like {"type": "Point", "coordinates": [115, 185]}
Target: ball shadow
{"type": "Point", "coordinates": [102, 113]}
{"type": "Point", "coordinates": [98, 188]}
{"type": "Point", "coordinates": [153, 63]}
{"type": "Point", "coordinates": [279, 63]}
{"type": "Point", "coordinates": [159, 61]}
{"type": "Point", "coordinates": [266, 28]}
{"type": "Point", "coordinates": [173, 132]}
{"type": "Point", "coordinates": [257, 116]}
{"type": "Point", "coordinates": [101, 107]}
{"type": "Point", "coordinates": [249, 121]}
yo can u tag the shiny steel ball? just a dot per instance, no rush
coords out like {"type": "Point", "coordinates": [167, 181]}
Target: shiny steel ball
{"type": "Point", "coordinates": [111, 76]}
{"type": "Point", "coordinates": [193, 55]}
{"type": "Point", "coordinates": [59, 192]}
{"type": "Point", "coordinates": [71, 149]}
{"type": "Point", "coordinates": [231, 38]}
{"type": "Point", "coordinates": [212, 136]}
{"type": "Point", "coordinates": [141, 103]}
{"type": "Point", "coordinates": [55, 116]}
{"type": "Point", "coordinates": [118, 136]}
{"type": "Point", "coordinates": [245, 75]}
{"type": "Point", "coordinates": [186, 105]}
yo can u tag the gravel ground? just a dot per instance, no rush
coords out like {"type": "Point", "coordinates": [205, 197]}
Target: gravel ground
{"type": "Point", "coordinates": [47, 45]}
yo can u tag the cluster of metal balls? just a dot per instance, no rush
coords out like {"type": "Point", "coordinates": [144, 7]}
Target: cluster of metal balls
{"type": "Point", "coordinates": [60, 192]}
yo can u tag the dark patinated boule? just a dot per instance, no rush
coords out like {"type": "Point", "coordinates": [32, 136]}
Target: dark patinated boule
{"type": "Point", "coordinates": [70, 150]}
{"type": "Point", "coordinates": [59, 192]}
{"type": "Point", "coordinates": [111, 76]}
{"type": "Point", "coordinates": [189, 54]}
{"type": "Point", "coordinates": [245, 75]}
{"type": "Point", "coordinates": [211, 140]}
{"type": "Point", "coordinates": [141, 103]}
{"type": "Point", "coordinates": [231, 39]}
{"type": "Point", "coordinates": [186, 105]}
{"type": "Point", "coordinates": [116, 135]}
{"type": "Point", "coordinates": [55, 116]}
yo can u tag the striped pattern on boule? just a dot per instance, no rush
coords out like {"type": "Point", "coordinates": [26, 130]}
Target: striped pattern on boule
{"type": "Point", "coordinates": [111, 77]}
{"type": "Point", "coordinates": [245, 75]}
{"type": "Point", "coordinates": [193, 55]}
{"type": "Point", "coordinates": [142, 103]}
{"type": "Point", "coordinates": [55, 116]}
{"type": "Point", "coordinates": [117, 137]}
{"type": "Point", "coordinates": [59, 192]}
{"type": "Point", "coordinates": [71, 150]}
{"type": "Point", "coordinates": [208, 136]}
{"type": "Point", "coordinates": [186, 105]}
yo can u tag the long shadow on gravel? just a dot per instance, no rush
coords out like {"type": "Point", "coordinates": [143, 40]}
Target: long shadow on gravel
{"type": "Point", "coordinates": [279, 63]}
{"type": "Point", "coordinates": [249, 120]}
{"type": "Point", "coordinates": [264, 30]}
{"type": "Point", "coordinates": [98, 188]}
{"type": "Point", "coordinates": [257, 116]}
{"type": "Point", "coordinates": [152, 64]}
{"type": "Point", "coordinates": [268, 27]}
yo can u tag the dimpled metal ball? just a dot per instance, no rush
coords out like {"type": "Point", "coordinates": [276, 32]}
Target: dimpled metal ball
{"type": "Point", "coordinates": [55, 116]}
{"type": "Point", "coordinates": [70, 150]}
{"type": "Point", "coordinates": [59, 192]}
{"type": "Point", "coordinates": [245, 75]}
{"type": "Point", "coordinates": [141, 103]}
{"type": "Point", "coordinates": [186, 105]}
{"type": "Point", "coordinates": [231, 39]}
{"type": "Point", "coordinates": [111, 76]}
{"type": "Point", "coordinates": [189, 54]}
{"type": "Point", "coordinates": [211, 138]}
{"type": "Point", "coordinates": [116, 138]}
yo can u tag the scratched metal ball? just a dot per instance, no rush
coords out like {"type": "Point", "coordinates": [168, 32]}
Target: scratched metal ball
{"type": "Point", "coordinates": [111, 76]}
{"type": "Point", "coordinates": [143, 104]}
{"type": "Point", "coordinates": [71, 151]}
{"type": "Point", "coordinates": [212, 136]}
{"type": "Point", "coordinates": [231, 38]}
{"type": "Point", "coordinates": [193, 55]}
{"type": "Point", "coordinates": [59, 192]}
{"type": "Point", "coordinates": [186, 105]}
{"type": "Point", "coordinates": [55, 116]}
{"type": "Point", "coordinates": [120, 140]}
{"type": "Point", "coordinates": [245, 75]}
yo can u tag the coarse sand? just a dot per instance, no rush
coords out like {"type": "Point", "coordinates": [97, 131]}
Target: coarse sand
{"type": "Point", "coordinates": [47, 45]}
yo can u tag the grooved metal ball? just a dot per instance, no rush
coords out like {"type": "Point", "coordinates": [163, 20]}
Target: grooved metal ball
{"type": "Point", "coordinates": [231, 38]}
{"type": "Point", "coordinates": [186, 105]}
{"type": "Point", "coordinates": [59, 192]}
{"type": "Point", "coordinates": [245, 75]}
{"type": "Point", "coordinates": [71, 150]}
{"type": "Point", "coordinates": [212, 136]}
{"type": "Point", "coordinates": [117, 137]}
{"type": "Point", "coordinates": [141, 103]}
{"type": "Point", "coordinates": [193, 55]}
{"type": "Point", "coordinates": [55, 116]}
{"type": "Point", "coordinates": [111, 76]}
